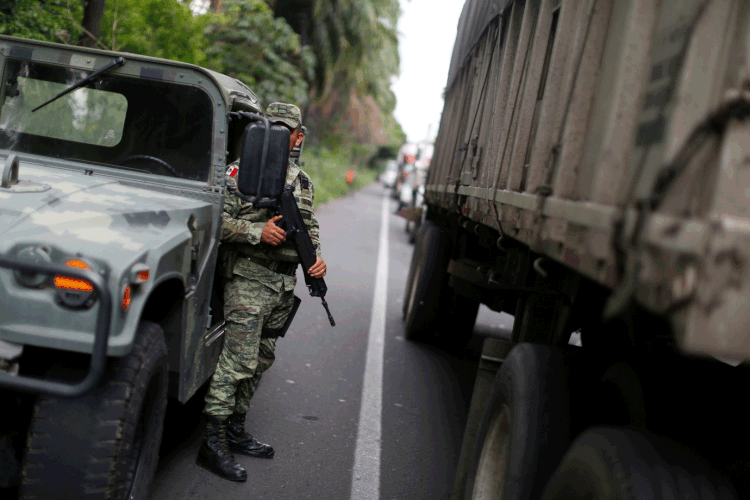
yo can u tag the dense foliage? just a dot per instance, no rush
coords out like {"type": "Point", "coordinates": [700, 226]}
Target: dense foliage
{"type": "Point", "coordinates": [158, 28]}
{"type": "Point", "coordinates": [356, 48]}
{"type": "Point", "coordinates": [327, 168]}
{"type": "Point", "coordinates": [52, 20]}
{"type": "Point", "coordinates": [249, 43]}
{"type": "Point", "coordinates": [335, 58]}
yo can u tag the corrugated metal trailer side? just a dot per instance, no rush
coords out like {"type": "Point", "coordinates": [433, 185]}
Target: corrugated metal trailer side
{"type": "Point", "coordinates": [565, 116]}
{"type": "Point", "coordinates": [592, 174]}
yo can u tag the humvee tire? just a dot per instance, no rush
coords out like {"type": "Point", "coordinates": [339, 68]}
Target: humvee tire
{"type": "Point", "coordinates": [104, 444]}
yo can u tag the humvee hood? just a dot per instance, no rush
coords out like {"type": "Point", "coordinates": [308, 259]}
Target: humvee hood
{"type": "Point", "coordinates": [79, 210]}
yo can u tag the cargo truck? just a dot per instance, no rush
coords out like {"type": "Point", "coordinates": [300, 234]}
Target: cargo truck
{"type": "Point", "coordinates": [592, 174]}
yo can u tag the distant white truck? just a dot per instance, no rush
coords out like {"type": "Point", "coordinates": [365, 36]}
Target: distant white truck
{"type": "Point", "coordinates": [388, 177]}
{"type": "Point", "coordinates": [591, 173]}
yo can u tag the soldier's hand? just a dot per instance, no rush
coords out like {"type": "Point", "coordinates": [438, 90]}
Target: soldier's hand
{"type": "Point", "coordinates": [318, 270]}
{"type": "Point", "coordinates": [273, 234]}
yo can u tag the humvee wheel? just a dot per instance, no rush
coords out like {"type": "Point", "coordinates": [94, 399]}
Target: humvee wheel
{"type": "Point", "coordinates": [104, 444]}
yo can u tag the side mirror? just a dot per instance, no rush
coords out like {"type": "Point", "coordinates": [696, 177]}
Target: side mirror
{"type": "Point", "coordinates": [263, 182]}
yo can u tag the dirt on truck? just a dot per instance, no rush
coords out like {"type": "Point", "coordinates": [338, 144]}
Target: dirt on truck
{"type": "Point", "coordinates": [113, 174]}
{"type": "Point", "coordinates": [591, 175]}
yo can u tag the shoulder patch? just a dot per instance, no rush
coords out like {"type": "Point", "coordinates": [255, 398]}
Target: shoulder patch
{"type": "Point", "coordinates": [304, 182]}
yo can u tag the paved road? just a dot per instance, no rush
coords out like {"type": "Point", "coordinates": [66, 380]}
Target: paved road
{"type": "Point", "coordinates": [308, 403]}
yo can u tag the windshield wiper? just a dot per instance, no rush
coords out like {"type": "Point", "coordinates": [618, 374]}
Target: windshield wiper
{"type": "Point", "coordinates": [117, 62]}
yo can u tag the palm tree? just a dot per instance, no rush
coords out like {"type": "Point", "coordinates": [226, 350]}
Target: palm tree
{"type": "Point", "coordinates": [356, 48]}
{"type": "Point", "coordinates": [352, 39]}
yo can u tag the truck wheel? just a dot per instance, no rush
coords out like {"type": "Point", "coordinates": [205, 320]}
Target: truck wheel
{"type": "Point", "coordinates": [423, 298]}
{"type": "Point", "coordinates": [412, 269]}
{"type": "Point", "coordinates": [624, 464]}
{"type": "Point", "coordinates": [526, 428]}
{"type": "Point", "coordinates": [104, 444]}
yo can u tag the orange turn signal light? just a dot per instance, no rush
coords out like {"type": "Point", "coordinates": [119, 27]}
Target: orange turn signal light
{"type": "Point", "coordinates": [73, 284]}
{"type": "Point", "coordinates": [76, 284]}
{"type": "Point", "coordinates": [77, 263]}
{"type": "Point", "coordinates": [126, 298]}
{"type": "Point", "coordinates": [139, 273]}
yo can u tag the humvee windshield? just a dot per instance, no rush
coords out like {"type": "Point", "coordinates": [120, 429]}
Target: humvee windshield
{"type": "Point", "coordinates": [118, 121]}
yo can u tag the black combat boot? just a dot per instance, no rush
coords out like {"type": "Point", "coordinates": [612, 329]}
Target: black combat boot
{"type": "Point", "coordinates": [240, 441]}
{"type": "Point", "coordinates": [214, 452]}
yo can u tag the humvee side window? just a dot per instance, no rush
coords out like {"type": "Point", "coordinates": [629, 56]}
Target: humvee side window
{"type": "Point", "coordinates": [155, 126]}
{"type": "Point", "coordinates": [87, 115]}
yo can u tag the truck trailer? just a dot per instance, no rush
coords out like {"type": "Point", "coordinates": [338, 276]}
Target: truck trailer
{"type": "Point", "coordinates": [592, 174]}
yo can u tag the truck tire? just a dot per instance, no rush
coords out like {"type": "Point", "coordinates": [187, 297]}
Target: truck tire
{"type": "Point", "coordinates": [424, 296]}
{"type": "Point", "coordinates": [412, 269]}
{"type": "Point", "coordinates": [105, 444]}
{"type": "Point", "coordinates": [526, 427]}
{"type": "Point", "coordinates": [432, 310]}
{"type": "Point", "coordinates": [628, 464]}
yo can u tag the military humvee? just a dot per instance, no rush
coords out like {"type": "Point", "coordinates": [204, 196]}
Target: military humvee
{"type": "Point", "coordinates": [110, 212]}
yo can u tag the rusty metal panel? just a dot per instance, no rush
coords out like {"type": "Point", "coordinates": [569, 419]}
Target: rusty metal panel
{"type": "Point", "coordinates": [513, 18]}
{"type": "Point", "coordinates": [510, 119]}
{"type": "Point", "coordinates": [527, 112]}
{"type": "Point", "coordinates": [557, 95]}
{"type": "Point", "coordinates": [691, 82]}
{"type": "Point", "coordinates": [475, 18]}
{"type": "Point", "coordinates": [642, 133]}
{"type": "Point", "coordinates": [579, 112]}
{"type": "Point", "coordinates": [620, 98]}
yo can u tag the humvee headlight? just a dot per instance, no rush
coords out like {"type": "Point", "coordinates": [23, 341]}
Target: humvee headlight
{"type": "Point", "coordinates": [32, 279]}
{"type": "Point", "coordinates": [74, 292]}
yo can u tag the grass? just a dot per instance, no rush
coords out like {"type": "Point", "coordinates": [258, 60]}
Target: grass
{"type": "Point", "coordinates": [328, 168]}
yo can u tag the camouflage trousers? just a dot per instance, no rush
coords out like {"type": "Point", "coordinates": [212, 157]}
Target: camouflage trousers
{"type": "Point", "coordinates": [250, 306]}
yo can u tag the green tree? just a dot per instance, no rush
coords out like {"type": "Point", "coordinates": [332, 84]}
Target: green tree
{"type": "Point", "coordinates": [354, 39]}
{"type": "Point", "coordinates": [249, 43]}
{"type": "Point", "coordinates": [335, 58]}
{"type": "Point", "coordinates": [50, 20]}
{"type": "Point", "coordinates": [356, 47]}
{"type": "Point", "coordinates": [159, 28]}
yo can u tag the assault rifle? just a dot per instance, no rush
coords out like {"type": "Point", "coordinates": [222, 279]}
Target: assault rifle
{"type": "Point", "coordinates": [292, 223]}
{"type": "Point", "coordinates": [260, 181]}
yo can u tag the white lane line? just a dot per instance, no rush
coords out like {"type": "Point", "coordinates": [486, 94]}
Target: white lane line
{"type": "Point", "coordinates": [366, 472]}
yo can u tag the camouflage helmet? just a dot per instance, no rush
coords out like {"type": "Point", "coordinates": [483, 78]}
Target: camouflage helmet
{"type": "Point", "coordinates": [288, 114]}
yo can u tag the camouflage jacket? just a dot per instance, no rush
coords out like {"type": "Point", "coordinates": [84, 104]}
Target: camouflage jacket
{"type": "Point", "coordinates": [242, 226]}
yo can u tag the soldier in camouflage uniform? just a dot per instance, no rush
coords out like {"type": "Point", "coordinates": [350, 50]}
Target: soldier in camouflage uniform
{"type": "Point", "coordinates": [259, 268]}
